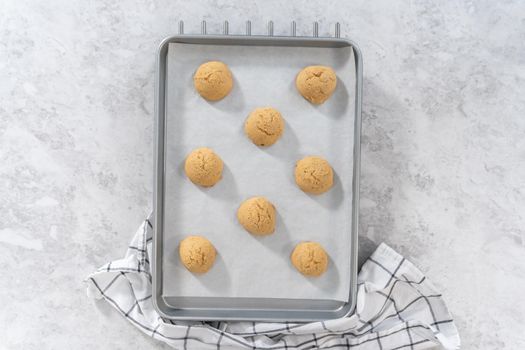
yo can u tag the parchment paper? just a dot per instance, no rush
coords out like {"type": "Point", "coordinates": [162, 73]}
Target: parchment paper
{"type": "Point", "coordinates": [249, 266]}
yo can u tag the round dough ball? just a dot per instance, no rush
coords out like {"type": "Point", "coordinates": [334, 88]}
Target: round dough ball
{"type": "Point", "coordinates": [309, 258]}
{"type": "Point", "coordinates": [197, 254]}
{"type": "Point", "coordinates": [257, 216]}
{"type": "Point", "coordinates": [314, 175]}
{"type": "Point", "coordinates": [213, 80]}
{"type": "Point", "coordinates": [264, 126]}
{"type": "Point", "coordinates": [316, 83]}
{"type": "Point", "coordinates": [203, 167]}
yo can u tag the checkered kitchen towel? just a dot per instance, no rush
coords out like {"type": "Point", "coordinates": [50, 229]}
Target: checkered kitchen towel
{"type": "Point", "coordinates": [397, 308]}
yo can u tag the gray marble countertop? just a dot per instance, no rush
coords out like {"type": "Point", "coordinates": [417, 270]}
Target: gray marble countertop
{"type": "Point", "coordinates": [443, 175]}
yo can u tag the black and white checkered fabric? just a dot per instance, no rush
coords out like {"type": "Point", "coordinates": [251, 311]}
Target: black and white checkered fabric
{"type": "Point", "coordinates": [397, 308]}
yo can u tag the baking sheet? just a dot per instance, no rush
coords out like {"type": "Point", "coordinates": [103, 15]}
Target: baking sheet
{"type": "Point", "coordinates": [249, 266]}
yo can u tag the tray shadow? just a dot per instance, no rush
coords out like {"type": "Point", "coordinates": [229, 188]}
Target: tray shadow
{"type": "Point", "coordinates": [366, 249]}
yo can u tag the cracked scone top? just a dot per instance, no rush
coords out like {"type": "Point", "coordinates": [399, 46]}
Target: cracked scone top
{"type": "Point", "coordinates": [257, 216]}
{"type": "Point", "coordinates": [203, 167]}
{"type": "Point", "coordinates": [213, 80]}
{"type": "Point", "coordinates": [264, 126]}
{"type": "Point", "coordinates": [309, 258]}
{"type": "Point", "coordinates": [314, 175]}
{"type": "Point", "coordinates": [316, 83]}
{"type": "Point", "coordinates": [197, 254]}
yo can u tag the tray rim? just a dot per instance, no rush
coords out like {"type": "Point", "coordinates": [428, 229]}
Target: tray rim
{"type": "Point", "coordinates": [159, 303]}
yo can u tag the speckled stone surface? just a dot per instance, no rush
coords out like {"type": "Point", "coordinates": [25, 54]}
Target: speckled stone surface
{"type": "Point", "coordinates": [443, 176]}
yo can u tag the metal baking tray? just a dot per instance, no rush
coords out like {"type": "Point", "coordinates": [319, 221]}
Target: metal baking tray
{"type": "Point", "coordinates": [240, 308]}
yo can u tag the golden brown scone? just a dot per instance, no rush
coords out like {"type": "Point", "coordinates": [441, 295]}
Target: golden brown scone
{"type": "Point", "coordinates": [203, 167]}
{"type": "Point", "coordinates": [264, 126]}
{"type": "Point", "coordinates": [309, 258]}
{"type": "Point", "coordinates": [316, 83]}
{"type": "Point", "coordinates": [257, 216]}
{"type": "Point", "coordinates": [197, 254]}
{"type": "Point", "coordinates": [314, 175]}
{"type": "Point", "coordinates": [213, 80]}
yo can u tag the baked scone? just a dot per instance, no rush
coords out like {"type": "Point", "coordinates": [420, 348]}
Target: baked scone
{"type": "Point", "coordinates": [213, 80]}
{"type": "Point", "coordinates": [314, 175]}
{"type": "Point", "coordinates": [316, 83]}
{"type": "Point", "coordinates": [309, 258]}
{"type": "Point", "coordinates": [264, 126]}
{"type": "Point", "coordinates": [203, 167]}
{"type": "Point", "coordinates": [197, 254]}
{"type": "Point", "coordinates": [257, 216]}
